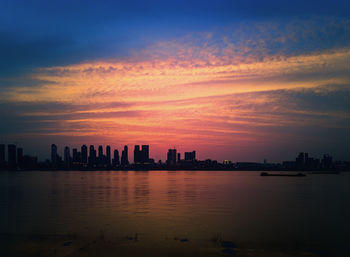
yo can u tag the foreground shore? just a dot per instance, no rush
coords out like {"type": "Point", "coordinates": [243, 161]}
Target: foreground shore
{"type": "Point", "coordinates": [104, 245]}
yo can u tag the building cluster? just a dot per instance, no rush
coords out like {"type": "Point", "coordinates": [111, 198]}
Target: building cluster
{"type": "Point", "coordinates": [304, 162]}
{"type": "Point", "coordinates": [89, 158]}
{"type": "Point", "coordinates": [16, 159]}
{"type": "Point", "coordinates": [173, 158]}
{"type": "Point", "coordinates": [101, 159]}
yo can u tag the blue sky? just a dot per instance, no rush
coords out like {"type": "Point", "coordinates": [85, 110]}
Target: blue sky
{"type": "Point", "coordinates": [40, 33]}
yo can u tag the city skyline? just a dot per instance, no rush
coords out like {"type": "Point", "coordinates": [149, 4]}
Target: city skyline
{"type": "Point", "coordinates": [61, 151]}
{"type": "Point", "coordinates": [107, 158]}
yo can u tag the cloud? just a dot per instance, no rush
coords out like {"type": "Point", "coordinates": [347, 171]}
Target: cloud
{"type": "Point", "coordinates": [247, 89]}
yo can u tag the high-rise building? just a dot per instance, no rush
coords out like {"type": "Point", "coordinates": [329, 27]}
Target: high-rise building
{"type": "Point", "coordinates": [84, 154]}
{"type": "Point", "coordinates": [67, 158]}
{"type": "Point", "coordinates": [178, 157]}
{"type": "Point", "coordinates": [190, 156]}
{"type": "Point", "coordinates": [145, 153]}
{"type": "Point", "coordinates": [108, 156]}
{"type": "Point", "coordinates": [100, 158]}
{"type": "Point", "coordinates": [54, 157]}
{"type": "Point", "coordinates": [2, 156]}
{"type": "Point", "coordinates": [11, 150]}
{"type": "Point", "coordinates": [92, 156]}
{"type": "Point", "coordinates": [137, 154]}
{"type": "Point", "coordinates": [300, 160]}
{"type": "Point", "coordinates": [116, 158]}
{"type": "Point", "coordinates": [100, 152]}
{"type": "Point", "coordinates": [141, 156]}
{"type": "Point", "coordinates": [327, 161]}
{"type": "Point", "coordinates": [124, 159]}
{"type": "Point", "coordinates": [171, 157]}
{"type": "Point", "coordinates": [20, 157]}
{"type": "Point", "coordinates": [75, 156]}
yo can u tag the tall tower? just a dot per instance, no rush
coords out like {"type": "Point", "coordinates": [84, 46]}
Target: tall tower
{"type": "Point", "coordinates": [67, 157]}
{"type": "Point", "coordinates": [137, 154]}
{"type": "Point", "coordinates": [92, 156]}
{"type": "Point", "coordinates": [84, 154]}
{"type": "Point", "coordinates": [116, 158]}
{"type": "Point", "coordinates": [54, 154]}
{"type": "Point", "coordinates": [11, 150]}
{"type": "Point", "coordinates": [108, 156]}
{"type": "Point", "coordinates": [100, 151]}
{"type": "Point", "coordinates": [2, 156]}
{"type": "Point", "coordinates": [125, 159]}
{"type": "Point", "coordinates": [171, 157]}
{"type": "Point", "coordinates": [20, 157]}
{"type": "Point", "coordinates": [145, 153]}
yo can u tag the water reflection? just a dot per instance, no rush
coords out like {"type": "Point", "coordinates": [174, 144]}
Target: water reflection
{"type": "Point", "coordinates": [141, 192]}
{"type": "Point", "coordinates": [159, 206]}
{"type": "Point", "coordinates": [173, 189]}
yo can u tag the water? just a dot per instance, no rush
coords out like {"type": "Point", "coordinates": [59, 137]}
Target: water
{"type": "Point", "coordinates": [179, 213]}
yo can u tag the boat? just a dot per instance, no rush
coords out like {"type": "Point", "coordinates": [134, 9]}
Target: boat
{"type": "Point", "coordinates": [282, 175]}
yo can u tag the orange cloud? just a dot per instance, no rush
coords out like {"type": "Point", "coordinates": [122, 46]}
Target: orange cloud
{"type": "Point", "coordinates": [184, 101]}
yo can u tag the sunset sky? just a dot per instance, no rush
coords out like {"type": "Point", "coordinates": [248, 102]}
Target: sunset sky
{"type": "Point", "coordinates": [237, 80]}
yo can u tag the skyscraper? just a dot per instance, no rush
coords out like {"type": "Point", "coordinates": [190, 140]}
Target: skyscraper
{"type": "Point", "coordinates": [124, 159]}
{"type": "Point", "coordinates": [67, 158]}
{"type": "Point", "coordinates": [92, 156]}
{"type": "Point", "coordinates": [11, 150]}
{"type": "Point", "coordinates": [84, 154]}
{"type": "Point", "coordinates": [137, 154]}
{"type": "Point", "coordinates": [116, 158]}
{"type": "Point", "coordinates": [20, 157]}
{"type": "Point", "coordinates": [190, 156]}
{"type": "Point", "coordinates": [108, 156]}
{"type": "Point", "coordinates": [145, 153]}
{"type": "Point", "coordinates": [171, 157]}
{"type": "Point", "coordinates": [54, 154]}
{"type": "Point", "coordinates": [2, 156]}
{"type": "Point", "coordinates": [100, 151]}
{"type": "Point", "coordinates": [100, 158]}
{"type": "Point", "coordinates": [75, 154]}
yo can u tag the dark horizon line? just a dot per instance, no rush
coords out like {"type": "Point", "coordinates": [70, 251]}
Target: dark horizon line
{"type": "Point", "coordinates": [84, 161]}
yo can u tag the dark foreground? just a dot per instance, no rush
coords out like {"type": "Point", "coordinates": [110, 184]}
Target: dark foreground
{"type": "Point", "coordinates": [168, 213]}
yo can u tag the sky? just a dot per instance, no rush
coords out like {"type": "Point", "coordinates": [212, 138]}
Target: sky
{"type": "Point", "coordinates": [234, 80]}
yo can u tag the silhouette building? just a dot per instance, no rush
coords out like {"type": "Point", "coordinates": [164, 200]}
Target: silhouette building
{"type": "Point", "coordinates": [66, 157]}
{"type": "Point", "coordinates": [54, 157]}
{"type": "Point", "coordinates": [84, 154]}
{"type": "Point", "coordinates": [300, 160]}
{"type": "Point", "coordinates": [116, 158]}
{"type": "Point", "coordinates": [171, 157]}
{"type": "Point", "coordinates": [92, 156]}
{"type": "Point", "coordinates": [20, 157]}
{"type": "Point", "coordinates": [108, 156]}
{"type": "Point", "coordinates": [141, 156]}
{"type": "Point", "coordinates": [327, 161]}
{"type": "Point", "coordinates": [124, 159]}
{"type": "Point", "coordinates": [75, 155]}
{"type": "Point", "coordinates": [137, 154]}
{"type": "Point", "coordinates": [190, 156]}
{"type": "Point", "coordinates": [100, 151]}
{"type": "Point", "coordinates": [11, 150]}
{"type": "Point", "coordinates": [145, 153]}
{"type": "Point", "coordinates": [2, 156]}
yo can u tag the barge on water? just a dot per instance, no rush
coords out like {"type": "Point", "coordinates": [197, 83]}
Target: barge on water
{"type": "Point", "coordinates": [283, 175]}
